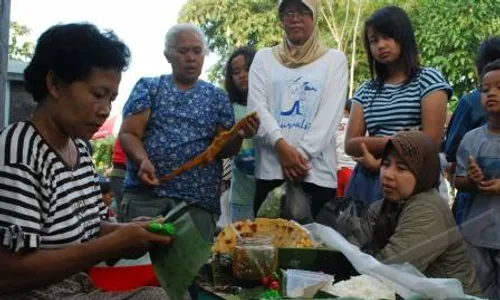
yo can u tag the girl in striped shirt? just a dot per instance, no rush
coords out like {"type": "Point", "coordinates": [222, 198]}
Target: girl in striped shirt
{"type": "Point", "coordinates": [401, 95]}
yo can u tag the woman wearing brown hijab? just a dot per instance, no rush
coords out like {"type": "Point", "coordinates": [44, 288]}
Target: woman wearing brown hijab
{"type": "Point", "coordinates": [412, 223]}
{"type": "Point", "coordinates": [298, 89]}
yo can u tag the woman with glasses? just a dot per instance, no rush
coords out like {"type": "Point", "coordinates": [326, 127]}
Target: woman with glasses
{"type": "Point", "coordinates": [298, 89]}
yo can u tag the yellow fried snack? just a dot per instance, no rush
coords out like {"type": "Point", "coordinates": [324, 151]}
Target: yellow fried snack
{"type": "Point", "coordinates": [283, 232]}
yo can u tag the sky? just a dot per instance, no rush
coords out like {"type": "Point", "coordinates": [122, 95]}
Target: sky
{"type": "Point", "coordinates": [140, 24]}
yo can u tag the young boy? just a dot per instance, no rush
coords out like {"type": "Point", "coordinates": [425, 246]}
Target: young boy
{"type": "Point", "coordinates": [478, 172]}
{"type": "Point", "coordinates": [107, 197]}
{"type": "Point", "coordinates": [468, 115]}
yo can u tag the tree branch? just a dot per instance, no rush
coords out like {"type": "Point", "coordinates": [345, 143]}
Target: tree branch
{"type": "Point", "coordinates": [346, 17]}
{"type": "Point", "coordinates": [331, 25]}
{"type": "Point", "coordinates": [353, 54]}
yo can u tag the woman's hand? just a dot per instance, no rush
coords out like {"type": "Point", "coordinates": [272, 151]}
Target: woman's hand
{"type": "Point", "coordinates": [295, 166]}
{"type": "Point", "coordinates": [147, 173]}
{"type": "Point", "coordinates": [250, 128]}
{"type": "Point", "coordinates": [367, 160]}
{"type": "Point", "coordinates": [134, 240]}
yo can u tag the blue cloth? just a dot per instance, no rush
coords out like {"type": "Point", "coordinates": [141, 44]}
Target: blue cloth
{"type": "Point", "coordinates": [468, 115]}
{"type": "Point", "coordinates": [182, 125]}
{"type": "Point", "coordinates": [463, 200]}
{"type": "Point", "coordinates": [364, 186]}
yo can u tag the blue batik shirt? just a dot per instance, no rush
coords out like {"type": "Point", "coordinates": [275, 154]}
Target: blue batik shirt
{"type": "Point", "coordinates": [182, 125]}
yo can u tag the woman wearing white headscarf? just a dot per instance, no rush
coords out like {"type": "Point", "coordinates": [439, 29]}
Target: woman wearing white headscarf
{"type": "Point", "coordinates": [298, 89]}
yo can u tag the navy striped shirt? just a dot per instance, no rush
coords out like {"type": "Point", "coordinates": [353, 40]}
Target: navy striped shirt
{"type": "Point", "coordinates": [43, 202]}
{"type": "Point", "coordinates": [397, 107]}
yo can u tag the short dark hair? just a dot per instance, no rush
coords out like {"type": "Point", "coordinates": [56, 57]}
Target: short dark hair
{"type": "Point", "coordinates": [104, 184]}
{"type": "Point", "coordinates": [488, 52]}
{"type": "Point", "coordinates": [70, 51]}
{"type": "Point", "coordinates": [492, 66]}
{"type": "Point", "coordinates": [393, 22]}
{"type": "Point", "coordinates": [234, 95]}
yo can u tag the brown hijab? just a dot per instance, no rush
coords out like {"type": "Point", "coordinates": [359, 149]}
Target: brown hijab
{"type": "Point", "coordinates": [293, 56]}
{"type": "Point", "coordinates": [419, 152]}
{"type": "Point", "coordinates": [421, 155]}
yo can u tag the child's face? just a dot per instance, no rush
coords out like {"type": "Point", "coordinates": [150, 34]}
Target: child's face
{"type": "Point", "coordinates": [384, 49]}
{"type": "Point", "coordinates": [107, 198]}
{"type": "Point", "coordinates": [397, 181]}
{"type": "Point", "coordinates": [240, 73]}
{"type": "Point", "coordinates": [490, 96]}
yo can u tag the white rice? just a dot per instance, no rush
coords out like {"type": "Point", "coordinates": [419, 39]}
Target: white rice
{"type": "Point", "coordinates": [364, 287]}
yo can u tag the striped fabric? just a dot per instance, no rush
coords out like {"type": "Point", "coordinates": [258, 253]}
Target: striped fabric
{"type": "Point", "coordinates": [397, 107]}
{"type": "Point", "coordinates": [226, 169]}
{"type": "Point", "coordinates": [43, 202]}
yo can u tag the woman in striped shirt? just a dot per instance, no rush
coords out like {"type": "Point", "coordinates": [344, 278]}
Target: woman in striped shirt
{"type": "Point", "coordinates": [402, 95]}
{"type": "Point", "coordinates": [52, 219]}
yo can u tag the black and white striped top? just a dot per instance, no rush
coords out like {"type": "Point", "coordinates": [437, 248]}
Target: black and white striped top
{"type": "Point", "coordinates": [397, 107]}
{"type": "Point", "coordinates": [43, 202]}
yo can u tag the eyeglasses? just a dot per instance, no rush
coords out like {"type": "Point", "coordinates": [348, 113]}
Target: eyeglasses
{"type": "Point", "coordinates": [289, 15]}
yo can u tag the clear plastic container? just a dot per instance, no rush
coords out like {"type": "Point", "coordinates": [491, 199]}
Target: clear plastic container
{"type": "Point", "coordinates": [254, 258]}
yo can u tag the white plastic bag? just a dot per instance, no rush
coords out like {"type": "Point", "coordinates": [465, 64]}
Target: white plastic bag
{"type": "Point", "coordinates": [297, 204]}
{"type": "Point", "coordinates": [225, 217]}
{"type": "Point", "coordinates": [301, 283]}
{"type": "Point", "coordinates": [405, 280]}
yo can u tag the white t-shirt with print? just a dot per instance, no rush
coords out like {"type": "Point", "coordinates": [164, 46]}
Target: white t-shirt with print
{"type": "Point", "coordinates": [304, 106]}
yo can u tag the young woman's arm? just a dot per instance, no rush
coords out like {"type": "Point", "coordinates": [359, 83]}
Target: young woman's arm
{"type": "Point", "coordinates": [433, 115]}
{"type": "Point", "coordinates": [355, 135]}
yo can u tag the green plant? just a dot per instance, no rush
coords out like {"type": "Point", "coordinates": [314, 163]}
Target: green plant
{"type": "Point", "coordinates": [102, 150]}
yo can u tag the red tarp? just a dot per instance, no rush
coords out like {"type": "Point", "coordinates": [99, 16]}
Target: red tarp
{"type": "Point", "coordinates": [106, 129]}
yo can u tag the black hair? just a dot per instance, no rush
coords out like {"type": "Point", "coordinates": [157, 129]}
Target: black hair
{"type": "Point", "coordinates": [70, 51]}
{"type": "Point", "coordinates": [492, 66]}
{"type": "Point", "coordinates": [392, 22]}
{"type": "Point", "coordinates": [488, 52]}
{"type": "Point", "coordinates": [236, 96]}
{"type": "Point", "coordinates": [104, 184]}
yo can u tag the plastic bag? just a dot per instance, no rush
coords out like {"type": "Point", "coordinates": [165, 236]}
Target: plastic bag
{"type": "Point", "coordinates": [272, 207]}
{"type": "Point", "coordinates": [301, 283]}
{"type": "Point", "coordinates": [403, 280]}
{"type": "Point", "coordinates": [340, 213]}
{"type": "Point", "coordinates": [297, 204]}
{"type": "Point", "coordinates": [225, 207]}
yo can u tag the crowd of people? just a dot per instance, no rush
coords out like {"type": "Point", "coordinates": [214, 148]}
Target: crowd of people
{"type": "Point", "coordinates": [380, 148]}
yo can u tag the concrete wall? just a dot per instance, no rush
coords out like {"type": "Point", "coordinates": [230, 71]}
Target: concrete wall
{"type": "Point", "coordinates": [4, 54]}
{"type": "Point", "coordinates": [22, 105]}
